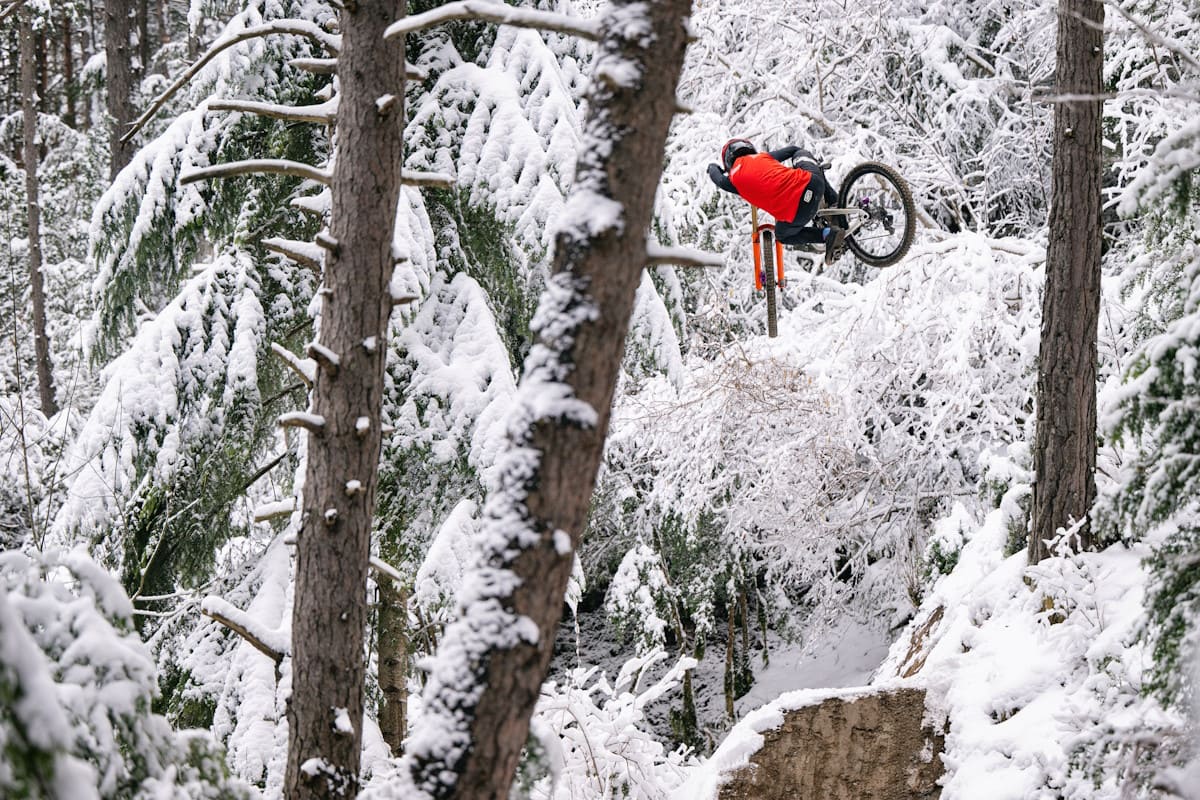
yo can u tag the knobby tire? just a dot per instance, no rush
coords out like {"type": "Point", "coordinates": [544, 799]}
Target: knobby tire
{"type": "Point", "coordinates": [846, 197]}
{"type": "Point", "coordinates": [768, 278]}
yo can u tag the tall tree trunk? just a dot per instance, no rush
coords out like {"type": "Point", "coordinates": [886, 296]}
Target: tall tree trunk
{"type": "Point", "coordinates": [493, 659]}
{"type": "Point", "coordinates": [12, 98]}
{"type": "Point", "coordinates": [41, 341]}
{"type": "Point", "coordinates": [142, 10]}
{"type": "Point", "coordinates": [118, 21]}
{"type": "Point", "coordinates": [393, 654]}
{"type": "Point", "coordinates": [91, 29]}
{"type": "Point", "coordinates": [1064, 458]}
{"type": "Point", "coordinates": [68, 61]}
{"type": "Point", "coordinates": [40, 55]}
{"type": "Point", "coordinates": [162, 14]}
{"type": "Point", "coordinates": [330, 608]}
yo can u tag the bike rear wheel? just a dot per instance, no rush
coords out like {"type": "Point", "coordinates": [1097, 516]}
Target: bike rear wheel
{"type": "Point", "coordinates": [885, 236]}
{"type": "Point", "coordinates": [769, 280]}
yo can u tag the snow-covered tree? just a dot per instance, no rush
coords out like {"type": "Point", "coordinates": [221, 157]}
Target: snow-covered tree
{"type": "Point", "coordinates": [78, 687]}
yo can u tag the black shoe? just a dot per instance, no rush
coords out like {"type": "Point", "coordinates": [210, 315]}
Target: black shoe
{"type": "Point", "coordinates": [834, 244]}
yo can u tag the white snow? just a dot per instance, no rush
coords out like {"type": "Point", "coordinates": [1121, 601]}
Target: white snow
{"type": "Point", "coordinates": [303, 418]}
{"type": "Point", "coordinates": [275, 509]}
{"type": "Point", "coordinates": [324, 353]}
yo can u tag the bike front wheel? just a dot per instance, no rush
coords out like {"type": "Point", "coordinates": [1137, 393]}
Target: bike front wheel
{"type": "Point", "coordinates": [891, 221]}
{"type": "Point", "coordinates": [769, 282]}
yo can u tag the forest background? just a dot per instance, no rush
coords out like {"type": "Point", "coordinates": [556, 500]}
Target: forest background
{"type": "Point", "coordinates": [770, 514]}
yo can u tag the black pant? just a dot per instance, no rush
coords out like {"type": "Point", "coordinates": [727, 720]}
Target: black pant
{"type": "Point", "coordinates": [798, 231]}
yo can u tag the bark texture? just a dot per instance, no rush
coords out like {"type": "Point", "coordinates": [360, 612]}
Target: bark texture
{"type": "Point", "coordinates": [1064, 459]}
{"type": "Point", "coordinates": [118, 76]}
{"type": "Point", "coordinates": [330, 608]}
{"type": "Point", "coordinates": [29, 154]}
{"type": "Point", "coordinates": [494, 658]}
{"type": "Point", "coordinates": [393, 663]}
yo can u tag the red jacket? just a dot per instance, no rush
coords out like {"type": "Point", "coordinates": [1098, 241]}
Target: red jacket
{"type": "Point", "coordinates": [764, 182]}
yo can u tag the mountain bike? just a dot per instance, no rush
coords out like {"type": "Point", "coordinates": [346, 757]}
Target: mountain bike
{"type": "Point", "coordinates": [876, 208]}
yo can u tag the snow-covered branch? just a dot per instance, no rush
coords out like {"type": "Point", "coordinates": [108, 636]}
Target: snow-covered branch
{"type": "Point", "coordinates": [306, 254]}
{"type": "Point", "coordinates": [10, 9]}
{"type": "Point", "coordinates": [270, 643]}
{"type": "Point", "coordinates": [294, 27]}
{"type": "Point", "coordinates": [255, 166]}
{"type": "Point", "coordinates": [315, 66]}
{"type": "Point", "coordinates": [321, 113]}
{"type": "Point", "coordinates": [328, 359]}
{"type": "Point", "coordinates": [386, 569]}
{"type": "Point", "coordinates": [305, 368]}
{"type": "Point", "coordinates": [313, 423]}
{"type": "Point", "coordinates": [328, 66]}
{"type": "Point", "coordinates": [427, 180]}
{"type": "Point", "coordinates": [1154, 38]}
{"type": "Point", "coordinates": [682, 257]}
{"type": "Point", "coordinates": [501, 14]}
{"type": "Point", "coordinates": [269, 511]}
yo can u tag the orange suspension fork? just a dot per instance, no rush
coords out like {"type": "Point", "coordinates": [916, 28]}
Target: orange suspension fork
{"type": "Point", "coordinates": [778, 262]}
{"type": "Point", "coordinates": [756, 238]}
{"type": "Point", "coordinates": [758, 282]}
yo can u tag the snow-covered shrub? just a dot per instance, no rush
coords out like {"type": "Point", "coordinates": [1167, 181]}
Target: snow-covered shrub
{"type": "Point", "coordinates": [1039, 671]}
{"type": "Point", "coordinates": [946, 542]}
{"type": "Point", "coordinates": [76, 689]}
{"type": "Point", "coordinates": [594, 735]}
{"type": "Point", "coordinates": [639, 600]}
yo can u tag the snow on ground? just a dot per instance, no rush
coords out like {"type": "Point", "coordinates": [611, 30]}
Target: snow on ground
{"type": "Point", "coordinates": [1037, 669]}
{"type": "Point", "coordinates": [845, 654]}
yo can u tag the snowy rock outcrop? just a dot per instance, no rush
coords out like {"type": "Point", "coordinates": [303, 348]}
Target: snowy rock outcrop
{"type": "Point", "coordinates": [865, 743]}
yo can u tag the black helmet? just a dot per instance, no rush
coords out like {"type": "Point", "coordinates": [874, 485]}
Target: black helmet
{"type": "Point", "coordinates": [735, 149]}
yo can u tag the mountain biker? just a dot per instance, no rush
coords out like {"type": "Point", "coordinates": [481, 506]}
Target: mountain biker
{"type": "Point", "coordinates": [790, 194]}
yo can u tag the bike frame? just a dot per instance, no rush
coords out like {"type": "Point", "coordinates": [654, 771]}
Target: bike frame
{"type": "Point", "coordinates": [855, 217]}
